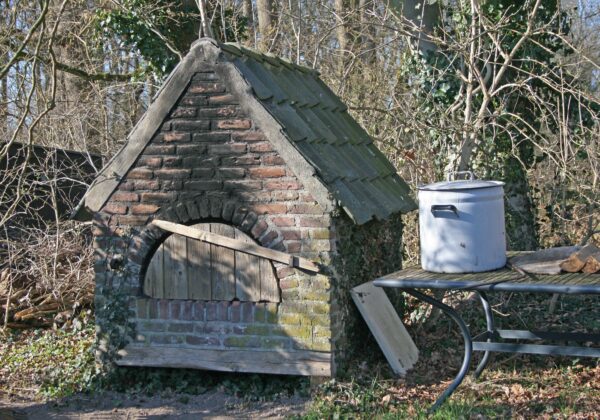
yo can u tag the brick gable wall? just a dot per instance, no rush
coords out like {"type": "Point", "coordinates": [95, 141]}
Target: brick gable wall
{"type": "Point", "coordinates": [209, 162]}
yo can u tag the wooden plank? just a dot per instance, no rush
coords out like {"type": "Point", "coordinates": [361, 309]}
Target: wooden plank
{"type": "Point", "coordinates": [281, 362]}
{"type": "Point", "coordinates": [223, 265]}
{"type": "Point", "coordinates": [541, 267]}
{"type": "Point", "coordinates": [544, 261]}
{"type": "Point", "coordinates": [247, 272]}
{"type": "Point", "coordinates": [199, 267]}
{"type": "Point", "coordinates": [269, 288]}
{"type": "Point", "coordinates": [237, 245]}
{"type": "Point", "coordinates": [175, 267]}
{"type": "Point", "coordinates": [385, 324]}
{"type": "Point", "coordinates": [154, 280]}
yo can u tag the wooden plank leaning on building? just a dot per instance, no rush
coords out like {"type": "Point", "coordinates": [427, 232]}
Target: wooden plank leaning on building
{"type": "Point", "coordinates": [385, 324]}
{"type": "Point", "coordinates": [237, 245]}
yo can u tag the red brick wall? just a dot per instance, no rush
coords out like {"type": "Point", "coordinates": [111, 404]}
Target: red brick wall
{"type": "Point", "coordinates": [210, 162]}
{"type": "Point", "coordinates": [208, 147]}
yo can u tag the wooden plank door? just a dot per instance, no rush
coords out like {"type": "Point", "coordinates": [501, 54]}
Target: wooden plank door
{"type": "Point", "coordinates": [175, 267]}
{"type": "Point", "coordinates": [185, 268]}
{"type": "Point", "coordinates": [223, 265]}
{"type": "Point", "coordinates": [247, 271]}
{"type": "Point", "coordinates": [154, 284]}
{"type": "Point", "coordinates": [269, 289]}
{"type": "Point", "coordinates": [199, 267]}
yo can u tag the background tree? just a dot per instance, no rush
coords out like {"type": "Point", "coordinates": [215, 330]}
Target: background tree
{"type": "Point", "coordinates": [504, 87]}
{"type": "Point", "coordinates": [506, 95]}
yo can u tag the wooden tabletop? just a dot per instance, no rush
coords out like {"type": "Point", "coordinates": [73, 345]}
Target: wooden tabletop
{"type": "Point", "coordinates": [502, 280]}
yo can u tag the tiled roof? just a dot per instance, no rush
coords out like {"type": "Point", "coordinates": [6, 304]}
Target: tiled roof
{"type": "Point", "coordinates": [309, 125]}
{"type": "Point", "coordinates": [317, 123]}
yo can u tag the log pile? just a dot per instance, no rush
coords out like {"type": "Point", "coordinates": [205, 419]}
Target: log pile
{"type": "Point", "coordinates": [586, 260]}
{"type": "Point", "coordinates": [45, 281]}
{"type": "Point", "coordinates": [25, 305]}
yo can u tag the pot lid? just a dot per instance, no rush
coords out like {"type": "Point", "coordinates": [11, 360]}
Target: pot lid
{"type": "Point", "coordinates": [464, 184]}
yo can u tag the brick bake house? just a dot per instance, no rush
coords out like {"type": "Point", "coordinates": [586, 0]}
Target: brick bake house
{"type": "Point", "coordinates": [250, 147]}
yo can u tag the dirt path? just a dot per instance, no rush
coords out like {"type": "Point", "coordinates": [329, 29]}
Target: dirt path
{"type": "Point", "coordinates": [112, 405]}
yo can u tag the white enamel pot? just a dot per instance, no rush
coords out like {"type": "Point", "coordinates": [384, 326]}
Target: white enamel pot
{"type": "Point", "coordinates": [461, 225]}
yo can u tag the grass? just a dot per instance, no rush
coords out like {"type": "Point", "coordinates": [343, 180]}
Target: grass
{"type": "Point", "coordinates": [49, 363]}
{"type": "Point", "coordinates": [387, 399]}
{"type": "Point", "coordinates": [513, 386]}
{"type": "Point", "coordinates": [559, 391]}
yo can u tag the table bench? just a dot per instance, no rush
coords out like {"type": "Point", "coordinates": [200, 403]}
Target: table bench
{"type": "Point", "coordinates": [503, 280]}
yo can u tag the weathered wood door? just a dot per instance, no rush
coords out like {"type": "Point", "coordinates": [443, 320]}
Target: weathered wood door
{"type": "Point", "coordinates": [185, 268]}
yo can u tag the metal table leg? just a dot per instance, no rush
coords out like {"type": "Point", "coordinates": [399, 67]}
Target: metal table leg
{"type": "Point", "coordinates": [489, 319]}
{"type": "Point", "coordinates": [468, 344]}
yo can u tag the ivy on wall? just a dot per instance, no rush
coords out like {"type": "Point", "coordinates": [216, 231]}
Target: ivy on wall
{"type": "Point", "coordinates": [365, 252]}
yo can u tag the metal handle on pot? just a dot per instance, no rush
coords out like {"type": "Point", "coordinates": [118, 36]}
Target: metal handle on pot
{"type": "Point", "coordinates": [443, 207]}
{"type": "Point", "coordinates": [452, 175]}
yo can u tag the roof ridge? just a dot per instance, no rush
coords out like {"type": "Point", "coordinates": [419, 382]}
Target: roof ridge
{"type": "Point", "coordinates": [239, 50]}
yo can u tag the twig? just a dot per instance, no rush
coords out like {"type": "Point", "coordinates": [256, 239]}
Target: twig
{"type": "Point", "coordinates": [8, 301]}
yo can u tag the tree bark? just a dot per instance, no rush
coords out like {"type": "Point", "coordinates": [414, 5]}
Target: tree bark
{"type": "Point", "coordinates": [264, 9]}
{"type": "Point", "coordinates": [341, 26]}
{"type": "Point", "coordinates": [520, 227]}
{"type": "Point", "coordinates": [367, 32]}
{"type": "Point", "coordinates": [424, 16]}
{"type": "Point", "coordinates": [247, 12]}
{"type": "Point", "coordinates": [4, 99]}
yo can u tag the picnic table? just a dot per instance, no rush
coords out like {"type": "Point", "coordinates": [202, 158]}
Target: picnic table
{"type": "Point", "coordinates": [413, 279]}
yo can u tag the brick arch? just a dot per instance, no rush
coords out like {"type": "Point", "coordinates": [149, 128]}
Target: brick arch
{"type": "Point", "coordinates": [203, 209]}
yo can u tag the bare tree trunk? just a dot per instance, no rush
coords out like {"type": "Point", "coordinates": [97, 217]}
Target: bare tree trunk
{"type": "Point", "coordinates": [295, 12]}
{"type": "Point", "coordinates": [341, 28]}
{"type": "Point", "coordinates": [4, 114]}
{"type": "Point", "coordinates": [520, 228]}
{"type": "Point", "coordinates": [470, 127]}
{"type": "Point", "coordinates": [4, 118]}
{"type": "Point", "coordinates": [423, 16]}
{"type": "Point", "coordinates": [367, 32]}
{"type": "Point", "coordinates": [264, 10]}
{"type": "Point", "coordinates": [247, 12]}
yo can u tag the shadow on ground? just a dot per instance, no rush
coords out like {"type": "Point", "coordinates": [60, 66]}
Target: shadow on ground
{"type": "Point", "coordinates": [213, 404]}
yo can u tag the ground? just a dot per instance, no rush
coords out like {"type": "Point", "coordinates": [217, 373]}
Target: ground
{"type": "Point", "coordinates": [51, 373]}
{"type": "Point", "coordinates": [116, 405]}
